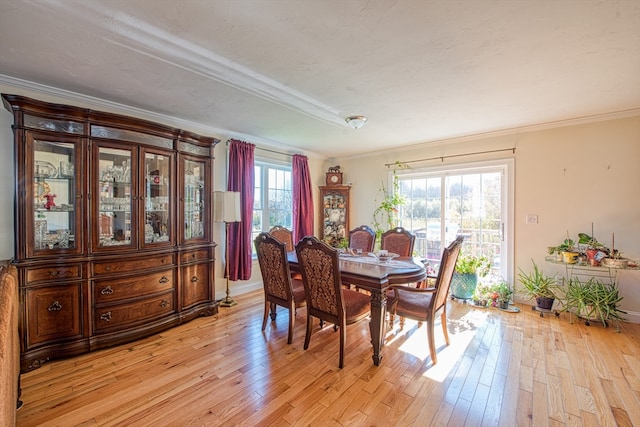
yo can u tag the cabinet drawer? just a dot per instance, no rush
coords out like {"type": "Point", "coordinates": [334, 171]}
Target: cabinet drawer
{"type": "Point", "coordinates": [127, 265]}
{"type": "Point", "coordinates": [53, 313]}
{"type": "Point", "coordinates": [195, 284]}
{"type": "Point", "coordinates": [72, 271]}
{"type": "Point", "coordinates": [121, 315]}
{"type": "Point", "coordinates": [194, 256]}
{"type": "Point", "coordinates": [132, 287]}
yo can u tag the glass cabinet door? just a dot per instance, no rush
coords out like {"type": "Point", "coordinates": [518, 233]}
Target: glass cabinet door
{"type": "Point", "coordinates": [55, 196]}
{"type": "Point", "coordinates": [194, 199]}
{"type": "Point", "coordinates": [157, 202]}
{"type": "Point", "coordinates": [115, 198]}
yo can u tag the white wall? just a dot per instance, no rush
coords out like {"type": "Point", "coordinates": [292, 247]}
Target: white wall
{"type": "Point", "coordinates": [569, 176]}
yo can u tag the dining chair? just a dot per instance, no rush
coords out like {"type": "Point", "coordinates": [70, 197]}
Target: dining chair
{"type": "Point", "coordinates": [424, 304]}
{"type": "Point", "coordinates": [363, 238]}
{"type": "Point", "coordinates": [284, 235]}
{"type": "Point", "coordinates": [279, 288]}
{"type": "Point", "coordinates": [326, 298]}
{"type": "Point", "coordinates": [398, 241]}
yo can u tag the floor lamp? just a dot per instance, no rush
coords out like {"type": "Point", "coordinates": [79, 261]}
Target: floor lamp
{"type": "Point", "coordinates": [226, 208]}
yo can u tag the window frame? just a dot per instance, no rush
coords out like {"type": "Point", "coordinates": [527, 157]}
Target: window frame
{"type": "Point", "coordinates": [507, 167]}
{"type": "Point", "coordinates": [266, 164]}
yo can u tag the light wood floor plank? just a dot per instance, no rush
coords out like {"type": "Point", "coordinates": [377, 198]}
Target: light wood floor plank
{"type": "Point", "coordinates": [500, 369]}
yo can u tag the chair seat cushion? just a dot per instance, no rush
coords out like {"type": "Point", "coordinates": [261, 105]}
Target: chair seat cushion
{"type": "Point", "coordinates": [356, 305]}
{"type": "Point", "coordinates": [414, 304]}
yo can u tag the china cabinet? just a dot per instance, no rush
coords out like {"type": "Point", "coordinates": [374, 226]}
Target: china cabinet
{"type": "Point", "coordinates": [334, 213]}
{"type": "Point", "coordinates": [113, 228]}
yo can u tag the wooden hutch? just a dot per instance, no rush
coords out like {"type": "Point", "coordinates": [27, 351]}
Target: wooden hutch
{"type": "Point", "coordinates": [113, 228]}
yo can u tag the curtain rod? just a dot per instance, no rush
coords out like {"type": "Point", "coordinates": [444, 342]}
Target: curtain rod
{"type": "Point", "coordinates": [266, 149]}
{"type": "Point", "coordinates": [451, 156]}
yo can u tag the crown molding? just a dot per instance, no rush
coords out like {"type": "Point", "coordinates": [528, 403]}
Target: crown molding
{"type": "Point", "coordinates": [65, 96]}
{"type": "Point", "coordinates": [144, 38]}
{"type": "Point", "coordinates": [623, 114]}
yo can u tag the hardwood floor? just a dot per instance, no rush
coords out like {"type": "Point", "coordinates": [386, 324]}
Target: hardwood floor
{"type": "Point", "coordinates": [501, 369]}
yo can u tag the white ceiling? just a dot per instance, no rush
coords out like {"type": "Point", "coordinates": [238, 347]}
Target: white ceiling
{"type": "Point", "coordinates": [286, 73]}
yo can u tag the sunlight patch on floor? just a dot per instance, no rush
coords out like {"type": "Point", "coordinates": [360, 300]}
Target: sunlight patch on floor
{"type": "Point", "coordinates": [461, 332]}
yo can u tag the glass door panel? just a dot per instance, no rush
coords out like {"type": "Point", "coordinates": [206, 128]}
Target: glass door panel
{"type": "Point", "coordinates": [194, 199]}
{"type": "Point", "coordinates": [55, 187]}
{"type": "Point", "coordinates": [115, 208]}
{"type": "Point", "coordinates": [157, 197]}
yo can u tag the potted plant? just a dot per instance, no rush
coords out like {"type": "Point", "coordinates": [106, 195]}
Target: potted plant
{"type": "Point", "coordinates": [483, 295]}
{"type": "Point", "coordinates": [595, 251]}
{"type": "Point", "coordinates": [539, 286]}
{"type": "Point", "coordinates": [566, 251]}
{"type": "Point", "coordinates": [385, 216]}
{"type": "Point", "coordinates": [593, 300]}
{"type": "Point", "coordinates": [465, 277]}
{"type": "Point", "coordinates": [503, 294]}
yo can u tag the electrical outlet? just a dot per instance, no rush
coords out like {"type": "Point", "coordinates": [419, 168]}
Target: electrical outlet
{"type": "Point", "coordinates": [532, 219]}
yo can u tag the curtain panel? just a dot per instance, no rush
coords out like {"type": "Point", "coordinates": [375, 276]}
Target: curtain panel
{"type": "Point", "coordinates": [241, 177]}
{"type": "Point", "coordinates": [302, 198]}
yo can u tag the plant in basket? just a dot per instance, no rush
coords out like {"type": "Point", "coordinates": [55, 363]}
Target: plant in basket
{"type": "Point", "coordinates": [465, 278]}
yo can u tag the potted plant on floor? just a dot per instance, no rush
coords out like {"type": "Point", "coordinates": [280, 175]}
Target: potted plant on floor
{"type": "Point", "coordinates": [503, 292]}
{"type": "Point", "coordinates": [539, 286]}
{"type": "Point", "coordinates": [593, 300]}
{"type": "Point", "coordinates": [465, 278]}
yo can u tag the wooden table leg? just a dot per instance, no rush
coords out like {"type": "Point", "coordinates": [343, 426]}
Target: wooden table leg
{"type": "Point", "coordinates": [377, 324]}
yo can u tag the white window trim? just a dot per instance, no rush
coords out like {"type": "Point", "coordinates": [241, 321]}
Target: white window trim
{"type": "Point", "coordinates": [508, 198]}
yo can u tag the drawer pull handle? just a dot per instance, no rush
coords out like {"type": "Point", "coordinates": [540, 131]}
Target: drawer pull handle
{"type": "Point", "coordinates": [108, 268]}
{"type": "Point", "coordinates": [194, 279]}
{"type": "Point", "coordinates": [164, 303]}
{"type": "Point", "coordinates": [54, 273]}
{"type": "Point", "coordinates": [107, 291]}
{"type": "Point", "coordinates": [106, 316]}
{"type": "Point", "coordinates": [193, 256]}
{"type": "Point", "coordinates": [55, 306]}
{"type": "Point", "coordinates": [163, 279]}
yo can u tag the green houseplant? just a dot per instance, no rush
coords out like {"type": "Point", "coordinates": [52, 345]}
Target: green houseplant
{"type": "Point", "coordinates": [465, 277]}
{"type": "Point", "coordinates": [496, 294]}
{"type": "Point", "coordinates": [540, 286]}
{"type": "Point", "coordinates": [385, 216]}
{"type": "Point", "coordinates": [593, 300]}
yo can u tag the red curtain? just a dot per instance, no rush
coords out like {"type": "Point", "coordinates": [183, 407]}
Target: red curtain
{"type": "Point", "coordinates": [302, 198]}
{"type": "Point", "coordinates": [241, 178]}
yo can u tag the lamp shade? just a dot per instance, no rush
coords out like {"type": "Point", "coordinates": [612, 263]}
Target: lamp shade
{"type": "Point", "coordinates": [226, 206]}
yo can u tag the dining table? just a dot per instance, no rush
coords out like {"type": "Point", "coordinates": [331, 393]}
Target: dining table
{"type": "Point", "coordinates": [375, 276]}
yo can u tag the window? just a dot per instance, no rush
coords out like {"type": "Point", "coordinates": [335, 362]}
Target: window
{"type": "Point", "coordinates": [273, 203]}
{"type": "Point", "coordinates": [473, 200]}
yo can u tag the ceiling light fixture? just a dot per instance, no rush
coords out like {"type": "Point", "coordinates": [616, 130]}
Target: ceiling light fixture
{"type": "Point", "coordinates": [356, 122]}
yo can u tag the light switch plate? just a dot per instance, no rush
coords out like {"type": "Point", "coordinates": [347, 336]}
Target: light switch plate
{"type": "Point", "coordinates": [532, 219]}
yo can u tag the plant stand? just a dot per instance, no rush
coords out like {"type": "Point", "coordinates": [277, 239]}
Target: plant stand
{"type": "Point", "coordinates": [544, 310]}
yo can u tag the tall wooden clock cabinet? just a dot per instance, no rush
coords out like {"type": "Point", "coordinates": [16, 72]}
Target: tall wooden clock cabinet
{"type": "Point", "coordinates": [113, 228]}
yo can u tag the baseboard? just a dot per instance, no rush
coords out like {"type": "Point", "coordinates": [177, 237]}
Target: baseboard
{"type": "Point", "coordinates": [239, 288]}
{"type": "Point", "coordinates": [631, 316]}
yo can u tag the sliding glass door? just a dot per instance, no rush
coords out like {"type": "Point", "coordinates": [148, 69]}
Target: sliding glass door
{"type": "Point", "coordinates": [473, 200]}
